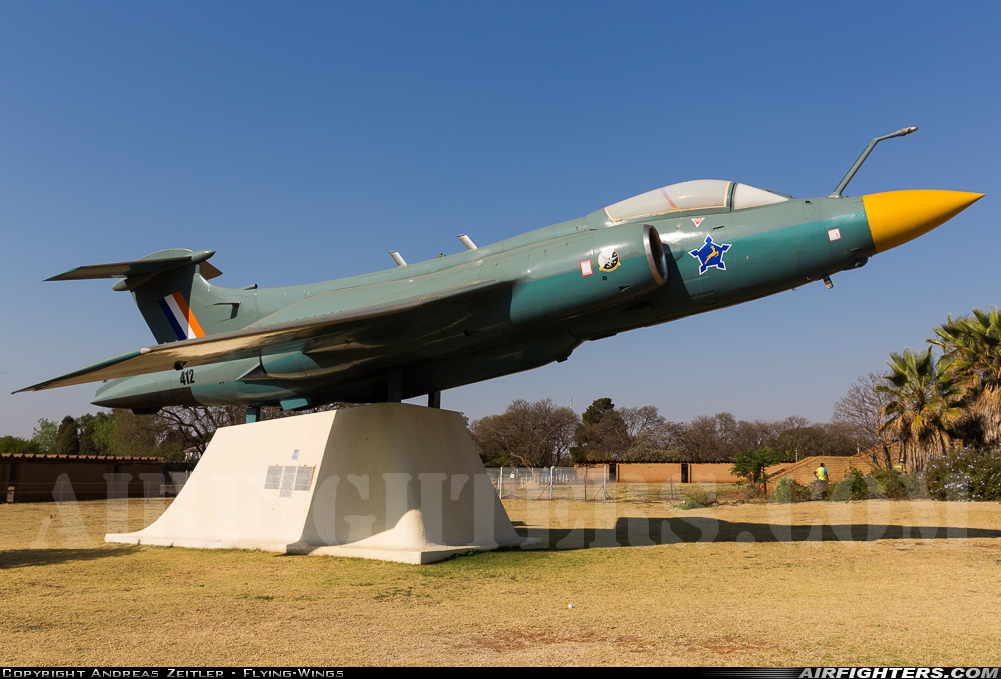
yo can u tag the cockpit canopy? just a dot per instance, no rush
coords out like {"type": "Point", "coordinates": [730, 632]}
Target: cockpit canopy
{"type": "Point", "coordinates": [700, 194]}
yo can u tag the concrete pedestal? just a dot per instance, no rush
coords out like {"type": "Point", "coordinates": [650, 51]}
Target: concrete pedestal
{"type": "Point", "coordinates": [387, 481]}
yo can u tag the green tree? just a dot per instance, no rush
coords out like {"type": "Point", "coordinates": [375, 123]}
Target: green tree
{"type": "Point", "coordinates": [94, 439]}
{"type": "Point", "coordinates": [44, 435]}
{"type": "Point", "coordinates": [752, 465]}
{"type": "Point", "coordinates": [924, 404]}
{"type": "Point", "coordinates": [85, 427]}
{"type": "Point", "coordinates": [973, 343]}
{"type": "Point", "coordinates": [14, 444]}
{"type": "Point", "coordinates": [608, 439]}
{"type": "Point", "coordinates": [67, 438]}
{"type": "Point", "coordinates": [602, 433]}
{"type": "Point", "coordinates": [597, 410]}
{"type": "Point", "coordinates": [132, 435]}
{"type": "Point", "coordinates": [105, 429]}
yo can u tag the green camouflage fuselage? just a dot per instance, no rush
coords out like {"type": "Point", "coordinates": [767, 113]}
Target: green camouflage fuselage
{"type": "Point", "coordinates": [547, 309]}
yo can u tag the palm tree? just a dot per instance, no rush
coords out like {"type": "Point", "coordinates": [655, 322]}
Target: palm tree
{"type": "Point", "coordinates": [925, 403]}
{"type": "Point", "coordinates": [974, 346]}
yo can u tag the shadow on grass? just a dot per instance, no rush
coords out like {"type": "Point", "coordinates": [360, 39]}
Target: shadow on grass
{"type": "Point", "coordinates": [635, 532]}
{"type": "Point", "coordinates": [19, 558]}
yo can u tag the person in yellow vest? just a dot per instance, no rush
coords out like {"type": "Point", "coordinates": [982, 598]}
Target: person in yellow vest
{"type": "Point", "coordinates": [822, 476]}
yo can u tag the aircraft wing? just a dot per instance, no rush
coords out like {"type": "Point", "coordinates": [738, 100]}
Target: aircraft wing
{"type": "Point", "coordinates": [320, 333]}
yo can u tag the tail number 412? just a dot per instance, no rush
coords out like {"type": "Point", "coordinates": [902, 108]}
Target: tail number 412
{"type": "Point", "coordinates": [188, 376]}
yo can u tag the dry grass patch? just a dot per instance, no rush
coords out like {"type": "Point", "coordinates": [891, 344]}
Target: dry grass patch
{"type": "Point", "coordinates": [792, 584]}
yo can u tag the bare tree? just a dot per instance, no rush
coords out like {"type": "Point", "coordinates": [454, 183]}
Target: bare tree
{"type": "Point", "coordinates": [176, 429]}
{"type": "Point", "coordinates": [194, 426]}
{"type": "Point", "coordinates": [269, 413]}
{"type": "Point", "coordinates": [757, 434]}
{"type": "Point", "coordinates": [824, 440]}
{"type": "Point", "coordinates": [658, 443]}
{"type": "Point", "coordinates": [860, 412]}
{"type": "Point", "coordinates": [640, 419]}
{"type": "Point", "coordinates": [530, 434]}
{"type": "Point", "coordinates": [791, 422]}
{"type": "Point", "coordinates": [712, 438]}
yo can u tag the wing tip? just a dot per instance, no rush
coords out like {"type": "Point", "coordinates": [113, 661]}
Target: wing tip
{"type": "Point", "coordinates": [85, 374]}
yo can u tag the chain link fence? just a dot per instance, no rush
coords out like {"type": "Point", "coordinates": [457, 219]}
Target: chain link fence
{"type": "Point", "coordinates": [552, 483]}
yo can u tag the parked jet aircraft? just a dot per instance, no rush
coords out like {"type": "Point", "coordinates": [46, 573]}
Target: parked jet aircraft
{"type": "Point", "coordinates": [514, 305]}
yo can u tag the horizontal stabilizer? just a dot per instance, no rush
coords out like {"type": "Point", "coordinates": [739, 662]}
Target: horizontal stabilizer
{"type": "Point", "coordinates": [250, 342]}
{"type": "Point", "coordinates": [165, 260]}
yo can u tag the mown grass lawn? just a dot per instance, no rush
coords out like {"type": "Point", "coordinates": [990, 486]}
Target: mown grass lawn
{"type": "Point", "coordinates": [809, 584]}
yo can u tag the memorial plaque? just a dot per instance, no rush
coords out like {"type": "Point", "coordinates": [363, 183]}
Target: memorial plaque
{"type": "Point", "coordinates": [274, 478]}
{"type": "Point", "coordinates": [303, 478]}
{"type": "Point", "coordinates": [288, 479]}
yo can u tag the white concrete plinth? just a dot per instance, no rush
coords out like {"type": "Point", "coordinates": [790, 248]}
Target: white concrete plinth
{"type": "Point", "coordinates": [387, 481]}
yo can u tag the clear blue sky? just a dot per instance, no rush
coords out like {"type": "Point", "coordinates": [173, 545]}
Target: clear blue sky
{"type": "Point", "coordinates": [302, 141]}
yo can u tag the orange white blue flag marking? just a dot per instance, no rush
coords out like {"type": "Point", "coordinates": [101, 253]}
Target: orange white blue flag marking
{"type": "Point", "coordinates": [181, 317]}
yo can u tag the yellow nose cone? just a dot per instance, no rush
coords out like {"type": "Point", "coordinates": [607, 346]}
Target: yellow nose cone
{"type": "Point", "coordinates": [896, 217]}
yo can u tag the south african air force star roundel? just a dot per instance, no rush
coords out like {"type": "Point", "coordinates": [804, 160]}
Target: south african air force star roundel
{"type": "Point", "coordinates": [710, 254]}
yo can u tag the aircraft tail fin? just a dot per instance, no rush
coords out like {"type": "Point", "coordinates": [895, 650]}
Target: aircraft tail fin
{"type": "Point", "coordinates": [172, 291]}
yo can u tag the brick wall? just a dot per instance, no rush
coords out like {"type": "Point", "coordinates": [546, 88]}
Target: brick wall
{"type": "Point", "coordinates": [698, 472]}
{"type": "Point", "coordinates": [34, 477]}
{"type": "Point", "coordinates": [837, 467]}
{"type": "Point", "coordinates": [656, 472]}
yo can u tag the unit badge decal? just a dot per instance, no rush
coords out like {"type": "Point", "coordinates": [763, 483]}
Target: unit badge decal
{"type": "Point", "coordinates": [608, 260]}
{"type": "Point", "coordinates": [710, 254]}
